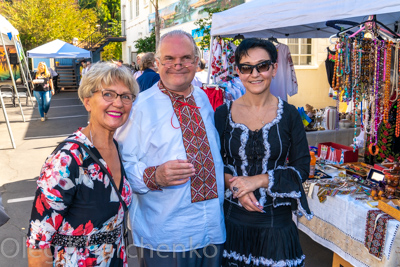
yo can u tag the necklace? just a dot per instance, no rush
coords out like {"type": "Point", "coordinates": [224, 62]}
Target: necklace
{"type": "Point", "coordinates": [90, 132]}
{"type": "Point", "coordinates": [261, 120]}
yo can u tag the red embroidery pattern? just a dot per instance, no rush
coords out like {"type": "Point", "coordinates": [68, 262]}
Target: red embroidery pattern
{"type": "Point", "coordinates": [375, 234]}
{"type": "Point", "coordinates": [203, 184]}
{"type": "Point", "coordinates": [149, 178]}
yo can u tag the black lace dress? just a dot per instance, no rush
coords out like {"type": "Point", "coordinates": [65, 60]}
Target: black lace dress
{"type": "Point", "coordinates": [280, 149]}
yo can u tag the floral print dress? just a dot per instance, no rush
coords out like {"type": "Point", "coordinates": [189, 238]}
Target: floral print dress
{"type": "Point", "coordinates": [74, 197]}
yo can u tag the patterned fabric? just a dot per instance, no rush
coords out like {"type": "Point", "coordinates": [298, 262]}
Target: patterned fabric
{"type": "Point", "coordinates": [149, 178]}
{"type": "Point", "coordinates": [75, 198]}
{"type": "Point", "coordinates": [203, 183]}
{"type": "Point", "coordinates": [375, 232]}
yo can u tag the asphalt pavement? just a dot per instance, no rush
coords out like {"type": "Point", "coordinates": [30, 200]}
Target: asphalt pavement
{"type": "Point", "coordinates": [20, 167]}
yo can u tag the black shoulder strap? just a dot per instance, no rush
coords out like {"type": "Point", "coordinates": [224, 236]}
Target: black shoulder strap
{"type": "Point", "coordinates": [93, 156]}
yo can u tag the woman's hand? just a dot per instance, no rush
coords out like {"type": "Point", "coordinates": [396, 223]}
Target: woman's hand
{"type": "Point", "coordinates": [40, 257]}
{"type": "Point", "coordinates": [250, 203]}
{"type": "Point", "coordinates": [242, 185]}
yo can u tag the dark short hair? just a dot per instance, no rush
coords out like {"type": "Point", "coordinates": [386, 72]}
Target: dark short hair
{"type": "Point", "coordinates": [120, 61]}
{"type": "Point", "coordinates": [250, 43]}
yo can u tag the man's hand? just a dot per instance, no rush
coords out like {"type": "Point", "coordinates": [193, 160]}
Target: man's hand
{"type": "Point", "coordinates": [174, 172]}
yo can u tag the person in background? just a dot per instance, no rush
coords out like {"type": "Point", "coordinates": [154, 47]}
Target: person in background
{"type": "Point", "coordinates": [77, 215]}
{"type": "Point", "coordinates": [54, 77]}
{"type": "Point", "coordinates": [149, 76]}
{"type": "Point", "coordinates": [201, 75]}
{"type": "Point", "coordinates": [43, 89]}
{"type": "Point", "coordinates": [120, 63]}
{"type": "Point", "coordinates": [82, 67]}
{"type": "Point", "coordinates": [170, 150]}
{"type": "Point", "coordinates": [88, 66]}
{"type": "Point", "coordinates": [266, 156]}
{"type": "Point", "coordinates": [139, 71]}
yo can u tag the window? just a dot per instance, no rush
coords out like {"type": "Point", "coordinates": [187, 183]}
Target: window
{"type": "Point", "coordinates": [137, 8]}
{"type": "Point", "coordinates": [301, 50]}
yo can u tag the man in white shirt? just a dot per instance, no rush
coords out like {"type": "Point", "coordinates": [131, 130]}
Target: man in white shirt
{"type": "Point", "coordinates": [177, 216]}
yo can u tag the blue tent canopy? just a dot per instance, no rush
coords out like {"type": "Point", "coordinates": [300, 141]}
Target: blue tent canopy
{"type": "Point", "coordinates": [58, 49]}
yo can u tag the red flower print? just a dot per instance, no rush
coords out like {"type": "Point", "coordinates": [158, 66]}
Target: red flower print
{"type": "Point", "coordinates": [385, 133]}
{"type": "Point", "coordinates": [41, 204]}
{"type": "Point", "coordinates": [383, 148]}
{"type": "Point", "coordinates": [384, 140]}
{"type": "Point", "coordinates": [391, 158]}
{"type": "Point", "coordinates": [388, 126]}
{"type": "Point", "coordinates": [88, 227]}
{"type": "Point", "coordinates": [381, 155]}
{"type": "Point", "coordinates": [55, 192]}
{"type": "Point", "coordinates": [89, 262]}
{"type": "Point", "coordinates": [78, 231]}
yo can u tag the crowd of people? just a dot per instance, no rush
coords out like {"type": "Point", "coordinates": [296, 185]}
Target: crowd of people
{"type": "Point", "coordinates": [202, 188]}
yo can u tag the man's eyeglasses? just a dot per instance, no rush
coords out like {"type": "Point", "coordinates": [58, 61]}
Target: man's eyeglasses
{"type": "Point", "coordinates": [260, 67]}
{"type": "Point", "coordinates": [185, 62]}
{"type": "Point", "coordinates": [110, 96]}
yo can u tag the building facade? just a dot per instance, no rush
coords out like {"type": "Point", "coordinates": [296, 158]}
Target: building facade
{"type": "Point", "coordinates": [308, 55]}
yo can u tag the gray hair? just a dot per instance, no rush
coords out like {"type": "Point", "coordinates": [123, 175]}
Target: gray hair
{"type": "Point", "coordinates": [181, 34]}
{"type": "Point", "coordinates": [147, 61]}
{"type": "Point", "coordinates": [104, 74]}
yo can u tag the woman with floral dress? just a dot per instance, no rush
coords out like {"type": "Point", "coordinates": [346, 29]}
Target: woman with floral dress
{"type": "Point", "coordinates": [265, 150]}
{"type": "Point", "coordinates": [77, 215]}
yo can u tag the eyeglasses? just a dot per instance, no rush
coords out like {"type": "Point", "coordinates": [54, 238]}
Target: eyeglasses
{"type": "Point", "coordinates": [110, 96]}
{"type": "Point", "coordinates": [186, 62]}
{"type": "Point", "coordinates": [260, 67]}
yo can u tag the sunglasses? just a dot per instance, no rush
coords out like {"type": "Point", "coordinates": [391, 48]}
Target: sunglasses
{"type": "Point", "coordinates": [260, 67]}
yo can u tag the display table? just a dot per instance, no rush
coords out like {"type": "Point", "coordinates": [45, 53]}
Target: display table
{"type": "Point", "coordinates": [339, 224]}
{"type": "Point", "coordinates": [341, 136]}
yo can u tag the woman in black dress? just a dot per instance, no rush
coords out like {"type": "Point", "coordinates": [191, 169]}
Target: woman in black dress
{"type": "Point", "coordinates": [265, 150]}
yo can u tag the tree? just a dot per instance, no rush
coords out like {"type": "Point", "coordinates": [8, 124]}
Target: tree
{"type": "Point", "coordinates": [146, 44]}
{"type": "Point", "coordinates": [41, 21]}
{"type": "Point", "coordinates": [157, 22]}
{"type": "Point", "coordinates": [205, 25]}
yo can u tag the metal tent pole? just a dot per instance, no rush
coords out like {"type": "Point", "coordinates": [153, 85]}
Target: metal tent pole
{"type": "Point", "coordinates": [22, 70]}
{"type": "Point", "coordinates": [209, 59]}
{"type": "Point", "coordinates": [12, 75]}
{"type": "Point", "coordinates": [3, 107]}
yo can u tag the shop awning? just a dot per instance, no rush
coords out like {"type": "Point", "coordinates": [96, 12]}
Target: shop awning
{"type": "Point", "coordinates": [299, 18]}
{"type": "Point", "coordinates": [58, 49]}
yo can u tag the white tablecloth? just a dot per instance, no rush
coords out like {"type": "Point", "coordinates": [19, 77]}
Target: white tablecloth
{"type": "Point", "coordinates": [341, 136]}
{"type": "Point", "coordinates": [339, 224]}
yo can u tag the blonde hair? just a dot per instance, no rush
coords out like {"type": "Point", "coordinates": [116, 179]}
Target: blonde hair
{"type": "Point", "coordinates": [104, 74]}
{"type": "Point", "coordinates": [46, 70]}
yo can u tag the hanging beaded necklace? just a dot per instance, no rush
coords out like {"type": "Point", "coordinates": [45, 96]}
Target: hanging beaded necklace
{"type": "Point", "coordinates": [387, 65]}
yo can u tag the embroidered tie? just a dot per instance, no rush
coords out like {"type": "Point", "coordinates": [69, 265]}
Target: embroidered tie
{"type": "Point", "coordinates": [203, 184]}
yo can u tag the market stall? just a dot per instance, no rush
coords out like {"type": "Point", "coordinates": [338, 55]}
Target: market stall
{"type": "Point", "coordinates": [365, 74]}
{"type": "Point", "coordinates": [9, 39]}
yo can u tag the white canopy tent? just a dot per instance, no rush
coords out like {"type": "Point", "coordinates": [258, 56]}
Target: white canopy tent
{"type": "Point", "coordinates": [58, 49]}
{"type": "Point", "coordinates": [298, 18]}
{"type": "Point", "coordinates": [8, 36]}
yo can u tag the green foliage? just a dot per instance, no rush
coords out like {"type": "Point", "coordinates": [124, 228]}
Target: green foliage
{"type": "Point", "coordinates": [112, 51]}
{"type": "Point", "coordinates": [205, 24]}
{"type": "Point", "coordinates": [41, 21]}
{"type": "Point", "coordinates": [146, 44]}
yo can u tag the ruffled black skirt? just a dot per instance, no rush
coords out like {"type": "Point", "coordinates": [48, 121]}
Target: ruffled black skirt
{"type": "Point", "coordinates": [261, 239]}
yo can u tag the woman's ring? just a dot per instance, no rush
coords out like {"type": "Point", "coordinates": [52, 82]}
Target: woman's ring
{"type": "Point", "coordinates": [235, 189]}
